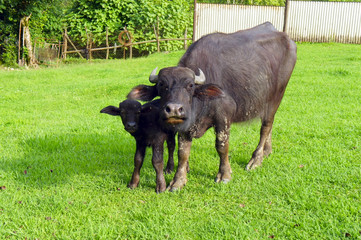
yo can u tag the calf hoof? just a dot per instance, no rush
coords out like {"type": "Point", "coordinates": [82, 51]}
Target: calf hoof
{"type": "Point", "coordinates": [168, 170]}
{"type": "Point", "coordinates": [132, 185]}
{"type": "Point", "coordinates": [254, 163]}
{"type": "Point", "coordinates": [176, 185]}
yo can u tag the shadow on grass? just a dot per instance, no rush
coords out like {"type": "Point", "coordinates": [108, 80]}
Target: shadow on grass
{"type": "Point", "coordinates": [104, 160]}
{"type": "Point", "coordinates": [90, 159]}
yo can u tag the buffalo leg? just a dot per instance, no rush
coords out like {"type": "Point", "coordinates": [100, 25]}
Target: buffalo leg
{"type": "Point", "coordinates": [138, 162]}
{"type": "Point", "coordinates": [157, 161]}
{"type": "Point", "coordinates": [171, 147]}
{"type": "Point", "coordinates": [264, 146]}
{"type": "Point", "coordinates": [222, 144]}
{"type": "Point", "coordinates": [180, 177]}
{"type": "Point", "coordinates": [268, 145]}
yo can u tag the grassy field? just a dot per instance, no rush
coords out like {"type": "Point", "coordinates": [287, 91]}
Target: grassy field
{"type": "Point", "coordinates": [64, 166]}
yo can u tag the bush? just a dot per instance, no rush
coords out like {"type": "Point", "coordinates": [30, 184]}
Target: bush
{"type": "Point", "coordinates": [139, 16]}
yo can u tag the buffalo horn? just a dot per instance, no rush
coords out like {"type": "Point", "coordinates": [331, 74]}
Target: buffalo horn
{"type": "Point", "coordinates": [201, 78]}
{"type": "Point", "coordinates": [153, 78]}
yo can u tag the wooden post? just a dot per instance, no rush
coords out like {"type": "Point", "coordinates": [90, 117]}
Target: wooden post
{"type": "Point", "coordinates": [59, 45]}
{"type": "Point", "coordinates": [65, 43]}
{"type": "Point", "coordinates": [130, 43]}
{"type": "Point", "coordinates": [131, 50]}
{"type": "Point", "coordinates": [19, 46]}
{"type": "Point", "coordinates": [67, 38]}
{"type": "Point", "coordinates": [107, 43]}
{"type": "Point", "coordinates": [194, 20]}
{"type": "Point", "coordinates": [90, 47]}
{"type": "Point", "coordinates": [285, 21]}
{"type": "Point", "coordinates": [158, 43]}
{"type": "Point", "coordinates": [22, 55]}
{"type": "Point", "coordinates": [87, 44]}
{"type": "Point", "coordinates": [34, 50]}
{"type": "Point", "coordinates": [157, 38]}
{"type": "Point", "coordinates": [185, 40]}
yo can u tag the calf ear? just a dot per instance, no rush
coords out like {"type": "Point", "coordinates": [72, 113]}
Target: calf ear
{"type": "Point", "coordinates": [143, 93]}
{"type": "Point", "coordinates": [208, 91]}
{"type": "Point", "coordinates": [111, 110]}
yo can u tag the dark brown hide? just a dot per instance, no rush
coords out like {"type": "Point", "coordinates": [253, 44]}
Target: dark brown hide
{"type": "Point", "coordinates": [250, 70]}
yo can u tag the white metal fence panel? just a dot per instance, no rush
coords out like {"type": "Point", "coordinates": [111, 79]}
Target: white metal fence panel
{"type": "Point", "coordinates": [307, 21]}
{"type": "Point", "coordinates": [325, 21]}
{"type": "Point", "coordinates": [231, 18]}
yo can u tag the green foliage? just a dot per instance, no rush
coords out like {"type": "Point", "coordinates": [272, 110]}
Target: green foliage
{"type": "Point", "coordinates": [139, 16]}
{"type": "Point", "coordinates": [64, 166]}
{"type": "Point", "coordinates": [44, 23]}
{"type": "Point", "coordinates": [9, 51]}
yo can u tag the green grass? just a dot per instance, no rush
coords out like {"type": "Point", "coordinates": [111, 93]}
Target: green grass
{"type": "Point", "coordinates": [65, 167]}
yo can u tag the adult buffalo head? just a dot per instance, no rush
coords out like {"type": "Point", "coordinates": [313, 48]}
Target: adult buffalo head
{"type": "Point", "coordinates": [182, 93]}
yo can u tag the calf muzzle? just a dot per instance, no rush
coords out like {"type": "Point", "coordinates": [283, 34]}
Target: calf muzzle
{"type": "Point", "coordinates": [131, 127]}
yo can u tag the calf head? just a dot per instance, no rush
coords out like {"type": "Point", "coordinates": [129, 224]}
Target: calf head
{"type": "Point", "coordinates": [177, 88]}
{"type": "Point", "coordinates": [129, 111]}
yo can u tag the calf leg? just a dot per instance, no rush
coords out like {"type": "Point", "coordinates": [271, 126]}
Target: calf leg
{"type": "Point", "coordinates": [222, 144]}
{"type": "Point", "coordinates": [264, 146]}
{"type": "Point", "coordinates": [180, 177]}
{"type": "Point", "coordinates": [171, 147]}
{"type": "Point", "coordinates": [157, 161]}
{"type": "Point", "coordinates": [138, 162]}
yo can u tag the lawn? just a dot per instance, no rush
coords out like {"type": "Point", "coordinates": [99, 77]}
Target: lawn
{"type": "Point", "coordinates": [64, 167]}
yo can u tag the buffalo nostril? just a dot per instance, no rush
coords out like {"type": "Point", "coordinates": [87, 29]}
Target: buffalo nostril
{"type": "Point", "coordinates": [180, 110]}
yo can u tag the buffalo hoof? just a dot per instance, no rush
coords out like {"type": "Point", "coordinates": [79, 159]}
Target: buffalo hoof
{"type": "Point", "coordinates": [224, 178]}
{"type": "Point", "coordinates": [254, 163]}
{"type": "Point", "coordinates": [176, 185]}
{"type": "Point", "coordinates": [160, 188]}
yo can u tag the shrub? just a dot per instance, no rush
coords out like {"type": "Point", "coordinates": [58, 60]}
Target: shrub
{"type": "Point", "coordinates": [139, 16]}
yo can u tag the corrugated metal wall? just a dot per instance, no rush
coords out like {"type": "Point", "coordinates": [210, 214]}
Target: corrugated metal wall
{"type": "Point", "coordinates": [307, 21]}
{"type": "Point", "coordinates": [231, 18]}
{"type": "Point", "coordinates": [325, 21]}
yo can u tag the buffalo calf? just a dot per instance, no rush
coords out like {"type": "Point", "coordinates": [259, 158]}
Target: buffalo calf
{"type": "Point", "coordinates": [141, 121]}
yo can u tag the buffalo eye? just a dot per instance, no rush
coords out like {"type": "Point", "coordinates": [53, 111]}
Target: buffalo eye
{"type": "Point", "coordinates": [190, 86]}
{"type": "Point", "coordinates": [163, 86]}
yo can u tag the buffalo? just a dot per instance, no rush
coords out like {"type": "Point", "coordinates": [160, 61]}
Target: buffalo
{"type": "Point", "coordinates": [141, 121]}
{"type": "Point", "coordinates": [221, 79]}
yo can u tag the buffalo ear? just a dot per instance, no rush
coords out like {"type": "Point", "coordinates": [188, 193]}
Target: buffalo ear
{"type": "Point", "coordinates": [111, 110]}
{"type": "Point", "coordinates": [208, 91]}
{"type": "Point", "coordinates": [143, 93]}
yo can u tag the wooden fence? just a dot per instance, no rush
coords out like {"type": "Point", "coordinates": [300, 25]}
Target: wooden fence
{"type": "Point", "coordinates": [125, 40]}
{"type": "Point", "coordinates": [302, 20]}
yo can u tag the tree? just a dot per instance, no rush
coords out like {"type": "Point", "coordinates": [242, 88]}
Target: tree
{"type": "Point", "coordinates": [44, 23]}
{"type": "Point", "coordinates": [139, 16]}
